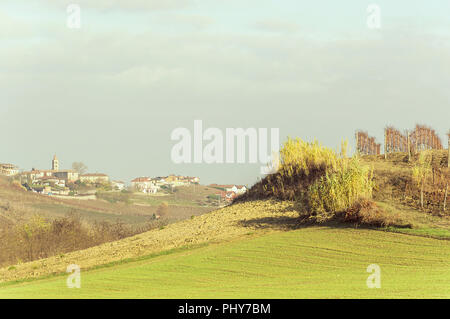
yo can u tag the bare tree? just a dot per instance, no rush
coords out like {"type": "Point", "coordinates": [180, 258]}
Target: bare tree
{"type": "Point", "coordinates": [420, 172]}
{"type": "Point", "coordinates": [448, 158]}
{"type": "Point", "coordinates": [79, 167]}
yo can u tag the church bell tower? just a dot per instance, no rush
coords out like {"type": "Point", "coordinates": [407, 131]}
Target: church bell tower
{"type": "Point", "coordinates": [55, 163]}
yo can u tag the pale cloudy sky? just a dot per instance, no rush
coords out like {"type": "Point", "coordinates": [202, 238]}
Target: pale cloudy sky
{"type": "Point", "coordinates": [110, 94]}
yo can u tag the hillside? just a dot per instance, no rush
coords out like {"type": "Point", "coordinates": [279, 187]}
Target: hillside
{"type": "Point", "coordinates": [266, 243]}
{"type": "Point", "coordinates": [229, 223]}
{"type": "Point", "coordinates": [251, 251]}
{"type": "Point", "coordinates": [221, 225]}
{"type": "Point", "coordinates": [35, 226]}
{"type": "Point", "coordinates": [394, 182]}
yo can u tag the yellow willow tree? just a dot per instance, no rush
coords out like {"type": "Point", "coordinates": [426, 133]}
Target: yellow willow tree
{"type": "Point", "coordinates": [420, 172]}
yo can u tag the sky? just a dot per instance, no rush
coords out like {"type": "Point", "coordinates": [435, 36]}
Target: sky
{"type": "Point", "coordinates": [111, 92]}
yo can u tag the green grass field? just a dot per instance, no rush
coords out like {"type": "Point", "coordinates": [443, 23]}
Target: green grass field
{"type": "Point", "coordinates": [312, 262]}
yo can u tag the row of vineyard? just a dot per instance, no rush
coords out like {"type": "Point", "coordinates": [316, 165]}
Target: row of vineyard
{"type": "Point", "coordinates": [366, 145]}
{"type": "Point", "coordinates": [420, 139]}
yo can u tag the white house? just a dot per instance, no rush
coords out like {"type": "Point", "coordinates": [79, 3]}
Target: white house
{"type": "Point", "coordinates": [8, 169]}
{"type": "Point", "coordinates": [141, 183]}
{"type": "Point", "coordinates": [152, 189]}
{"type": "Point", "coordinates": [119, 185]}
{"type": "Point", "coordinates": [241, 189]}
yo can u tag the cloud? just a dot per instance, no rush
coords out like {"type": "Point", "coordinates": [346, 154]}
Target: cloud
{"type": "Point", "coordinates": [13, 28]}
{"type": "Point", "coordinates": [123, 92]}
{"type": "Point", "coordinates": [276, 25]}
{"type": "Point", "coordinates": [198, 22]}
{"type": "Point", "coordinates": [153, 5]}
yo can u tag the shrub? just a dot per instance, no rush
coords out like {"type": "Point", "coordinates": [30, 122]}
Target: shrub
{"type": "Point", "coordinates": [322, 181]}
{"type": "Point", "coordinates": [340, 188]}
{"type": "Point", "coordinates": [367, 212]}
{"type": "Point", "coordinates": [163, 209]}
{"type": "Point", "coordinates": [40, 238]}
{"type": "Point", "coordinates": [343, 182]}
{"type": "Point", "coordinates": [307, 157]}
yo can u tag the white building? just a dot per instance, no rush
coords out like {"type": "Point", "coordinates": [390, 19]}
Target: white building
{"type": "Point", "coordinates": [8, 170]}
{"type": "Point", "coordinates": [118, 185]}
{"type": "Point", "coordinates": [240, 189]}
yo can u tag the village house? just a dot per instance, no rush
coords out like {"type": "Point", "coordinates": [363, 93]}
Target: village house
{"type": "Point", "coordinates": [8, 169]}
{"type": "Point", "coordinates": [153, 189]}
{"type": "Point", "coordinates": [171, 179]}
{"type": "Point", "coordinates": [226, 197]}
{"type": "Point", "coordinates": [92, 178]}
{"type": "Point", "coordinates": [230, 195]}
{"type": "Point", "coordinates": [55, 181]}
{"type": "Point", "coordinates": [142, 184]}
{"type": "Point", "coordinates": [37, 174]}
{"type": "Point", "coordinates": [118, 185]}
{"type": "Point", "coordinates": [51, 181]}
{"type": "Point", "coordinates": [159, 181]}
{"type": "Point", "coordinates": [153, 185]}
{"type": "Point", "coordinates": [238, 189]}
{"type": "Point", "coordinates": [193, 180]}
{"type": "Point", "coordinates": [176, 180]}
{"type": "Point", "coordinates": [230, 192]}
{"type": "Point", "coordinates": [241, 189]}
{"type": "Point", "coordinates": [68, 175]}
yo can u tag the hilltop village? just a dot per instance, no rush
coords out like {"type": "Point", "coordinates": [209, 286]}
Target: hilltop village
{"type": "Point", "coordinates": [76, 182]}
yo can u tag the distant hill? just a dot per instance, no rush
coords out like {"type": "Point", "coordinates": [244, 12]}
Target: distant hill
{"type": "Point", "coordinates": [34, 226]}
{"type": "Point", "coordinates": [18, 205]}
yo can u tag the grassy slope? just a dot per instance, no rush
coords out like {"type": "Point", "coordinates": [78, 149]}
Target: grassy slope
{"type": "Point", "coordinates": [320, 262]}
{"type": "Point", "coordinates": [218, 226]}
{"type": "Point", "coordinates": [424, 224]}
{"type": "Point", "coordinates": [256, 249]}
